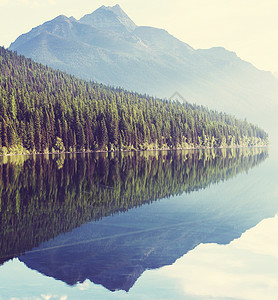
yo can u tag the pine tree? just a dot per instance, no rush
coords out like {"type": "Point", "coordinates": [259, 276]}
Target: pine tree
{"type": "Point", "coordinates": [4, 134]}
{"type": "Point", "coordinates": [38, 133]}
{"type": "Point", "coordinates": [30, 136]}
{"type": "Point", "coordinates": [103, 135]}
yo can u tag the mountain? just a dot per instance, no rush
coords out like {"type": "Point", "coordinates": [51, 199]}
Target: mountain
{"type": "Point", "coordinates": [106, 46]}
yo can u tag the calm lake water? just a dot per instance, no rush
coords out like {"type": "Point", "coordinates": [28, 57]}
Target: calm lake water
{"type": "Point", "coordinates": [151, 225]}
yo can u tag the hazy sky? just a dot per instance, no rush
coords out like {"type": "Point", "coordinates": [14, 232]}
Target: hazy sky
{"type": "Point", "coordinates": [248, 27]}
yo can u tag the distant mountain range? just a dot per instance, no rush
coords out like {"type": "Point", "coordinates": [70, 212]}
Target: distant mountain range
{"type": "Point", "coordinates": [106, 46]}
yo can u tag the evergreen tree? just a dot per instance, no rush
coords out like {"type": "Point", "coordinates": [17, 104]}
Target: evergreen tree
{"type": "Point", "coordinates": [103, 135]}
{"type": "Point", "coordinates": [4, 134]}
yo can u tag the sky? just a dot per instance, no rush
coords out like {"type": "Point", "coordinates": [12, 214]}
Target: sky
{"type": "Point", "coordinates": [247, 27]}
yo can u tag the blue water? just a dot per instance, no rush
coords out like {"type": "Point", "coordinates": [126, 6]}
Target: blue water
{"type": "Point", "coordinates": [204, 244]}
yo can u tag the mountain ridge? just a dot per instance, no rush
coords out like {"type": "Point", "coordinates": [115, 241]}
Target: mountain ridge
{"type": "Point", "coordinates": [117, 52]}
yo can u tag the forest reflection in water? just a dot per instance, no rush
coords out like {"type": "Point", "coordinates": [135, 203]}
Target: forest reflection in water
{"type": "Point", "coordinates": [45, 195]}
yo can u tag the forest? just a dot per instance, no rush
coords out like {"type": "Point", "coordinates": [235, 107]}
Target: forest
{"type": "Point", "coordinates": [47, 111]}
{"type": "Point", "coordinates": [42, 196]}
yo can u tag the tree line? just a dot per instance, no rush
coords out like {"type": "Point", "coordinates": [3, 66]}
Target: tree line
{"type": "Point", "coordinates": [43, 110]}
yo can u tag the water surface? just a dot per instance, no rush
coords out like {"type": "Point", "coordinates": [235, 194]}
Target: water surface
{"type": "Point", "coordinates": [136, 225]}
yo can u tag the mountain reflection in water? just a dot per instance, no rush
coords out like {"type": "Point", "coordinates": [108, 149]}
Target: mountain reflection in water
{"type": "Point", "coordinates": [46, 199]}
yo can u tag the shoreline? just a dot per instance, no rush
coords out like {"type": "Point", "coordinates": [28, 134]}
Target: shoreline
{"type": "Point", "coordinates": [134, 150]}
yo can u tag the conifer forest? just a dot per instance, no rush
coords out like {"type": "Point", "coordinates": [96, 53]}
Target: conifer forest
{"type": "Point", "coordinates": [43, 110]}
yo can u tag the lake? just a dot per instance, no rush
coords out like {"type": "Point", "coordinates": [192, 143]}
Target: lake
{"type": "Point", "coordinates": [197, 224]}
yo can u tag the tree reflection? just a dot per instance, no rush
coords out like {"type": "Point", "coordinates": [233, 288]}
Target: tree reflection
{"type": "Point", "coordinates": [45, 195]}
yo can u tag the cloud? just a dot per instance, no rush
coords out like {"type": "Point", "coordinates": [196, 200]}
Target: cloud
{"type": "Point", "coordinates": [84, 286]}
{"type": "Point", "coordinates": [49, 296]}
{"type": "Point", "coordinates": [46, 297]}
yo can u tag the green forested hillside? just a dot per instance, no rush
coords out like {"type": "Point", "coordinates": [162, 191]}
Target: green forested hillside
{"type": "Point", "coordinates": [42, 110]}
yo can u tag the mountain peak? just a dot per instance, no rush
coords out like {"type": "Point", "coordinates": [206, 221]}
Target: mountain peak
{"type": "Point", "coordinates": [60, 18]}
{"type": "Point", "coordinates": [111, 18]}
{"type": "Point", "coordinates": [116, 9]}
